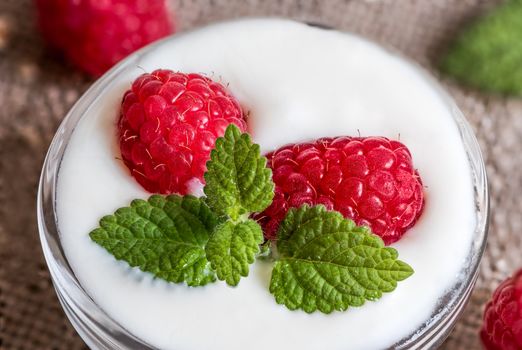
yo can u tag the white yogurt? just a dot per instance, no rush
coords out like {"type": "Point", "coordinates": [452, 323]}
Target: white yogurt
{"type": "Point", "coordinates": [299, 83]}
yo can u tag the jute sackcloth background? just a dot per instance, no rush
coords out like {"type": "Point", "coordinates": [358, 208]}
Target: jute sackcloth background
{"type": "Point", "coordinates": [36, 90]}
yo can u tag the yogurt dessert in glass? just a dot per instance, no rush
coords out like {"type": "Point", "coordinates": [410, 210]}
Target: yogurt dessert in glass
{"type": "Point", "coordinates": [298, 83]}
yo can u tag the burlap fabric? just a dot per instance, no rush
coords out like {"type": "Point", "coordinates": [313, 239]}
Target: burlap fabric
{"type": "Point", "coordinates": [36, 90]}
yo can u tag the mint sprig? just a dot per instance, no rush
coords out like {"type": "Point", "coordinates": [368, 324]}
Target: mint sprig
{"type": "Point", "coordinates": [232, 248]}
{"type": "Point", "coordinates": [165, 236]}
{"type": "Point", "coordinates": [487, 54]}
{"type": "Point", "coordinates": [328, 263]}
{"type": "Point", "coordinates": [237, 180]}
{"type": "Point", "coordinates": [324, 262]}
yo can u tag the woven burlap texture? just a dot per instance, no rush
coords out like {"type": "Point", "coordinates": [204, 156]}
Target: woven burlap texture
{"type": "Point", "coordinates": [36, 90]}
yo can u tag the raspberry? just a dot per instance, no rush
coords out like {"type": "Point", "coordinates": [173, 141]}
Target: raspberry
{"type": "Point", "coordinates": [369, 180]}
{"type": "Point", "coordinates": [502, 324]}
{"type": "Point", "coordinates": [168, 125]}
{"type": "Point", "coordinates": [94, 35]}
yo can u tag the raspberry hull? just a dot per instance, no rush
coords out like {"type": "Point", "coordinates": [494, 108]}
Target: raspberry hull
{"type": "Point", "coordinates": [168, 125]}
{"type": "Point", "coordinates": [502, 327]}
{"type": "Point", "coordinates": [369, 180]}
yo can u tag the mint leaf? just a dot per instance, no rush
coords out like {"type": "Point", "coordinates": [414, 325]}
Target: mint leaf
{"type": "Point", "coordinates": [237, 184]}
{"type": "Point", "coordinates": [237, 180]}
{"type": "Point", "coordinates": [328, 263]}
{"type": "Point", "coordinates": [488, 54]}
{"type": "Point", "coordinates": [163, 235]}
{"type": "Point", "coordinates": [232, 248]}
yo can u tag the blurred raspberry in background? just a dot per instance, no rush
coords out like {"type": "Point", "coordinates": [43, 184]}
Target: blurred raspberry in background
{"type": "Point", "coordinates": [95, 34]}
{"type": "Point", "coordinates": [502, 324]}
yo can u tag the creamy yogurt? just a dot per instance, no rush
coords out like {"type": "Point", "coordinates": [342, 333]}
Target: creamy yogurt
{"type": "Point", "coordinates": [299, 83]}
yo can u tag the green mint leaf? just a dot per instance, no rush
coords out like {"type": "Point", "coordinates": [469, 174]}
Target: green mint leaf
{"type": "Point", "coordinates": [488, 54]}
{"type": "Point", "coordinates": [232, 248]}
{"type": "Point", "coordinates": [237, 180]}
{"type": "Point", "coordinates": [328, 263]}
{"type": "Point", "coordinates": [165, 236]}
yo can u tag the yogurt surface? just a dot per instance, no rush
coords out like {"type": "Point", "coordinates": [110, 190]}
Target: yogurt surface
{"type": "Point", "coordinates": [298, 83]}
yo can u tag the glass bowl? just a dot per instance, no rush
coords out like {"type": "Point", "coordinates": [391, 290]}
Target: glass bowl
{"type": "Point", "coordinates": [99, 331]}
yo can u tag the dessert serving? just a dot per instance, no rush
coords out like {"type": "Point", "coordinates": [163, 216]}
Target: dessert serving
{"type": "Point", "coordinates": [264, 181]}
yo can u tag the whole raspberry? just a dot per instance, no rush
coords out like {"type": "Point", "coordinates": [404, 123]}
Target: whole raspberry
{"type": "Point", "coordinates": [95, 34]}
{"type": "Point", "coordinates": [369, 180]}
{"type": "Point", "coordinates": [502, 325]}
{"type": "Point", "coordinates": [168, 125]}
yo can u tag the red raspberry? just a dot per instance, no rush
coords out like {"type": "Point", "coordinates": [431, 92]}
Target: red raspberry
{"type": "Point", "coordinates": [370, 180]}
{"type": "Point", "coordinates": [169, 123]}
{"type": "Point", "coordinates": [95, 34]}
{"type": "Point", "coordinates": [502, 326]}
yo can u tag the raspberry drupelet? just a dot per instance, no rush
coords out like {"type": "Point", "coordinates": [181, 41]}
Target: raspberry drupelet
{"type": "Point", "coordinates": [369, 180]}
{"type": "Point", "coordinates": [168, 125]}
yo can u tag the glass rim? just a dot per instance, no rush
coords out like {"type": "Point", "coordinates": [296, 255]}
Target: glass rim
{"type": "Point", "coordinates": [101, 331]}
